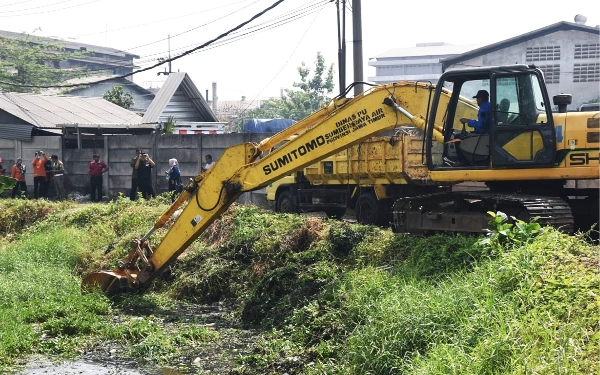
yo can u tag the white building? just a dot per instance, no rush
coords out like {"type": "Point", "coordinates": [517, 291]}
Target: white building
{"type": "Point", "coordinates": [567, 52]}
{"type": "Point", "coordinates": [420, 63]}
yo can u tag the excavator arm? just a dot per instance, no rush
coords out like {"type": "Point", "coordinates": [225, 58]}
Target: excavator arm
{"type": "Point", "coordinates": [250, 166]}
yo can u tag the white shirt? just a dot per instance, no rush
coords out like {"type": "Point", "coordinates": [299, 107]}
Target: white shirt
{"type": "Point", "coordinates": [208, 165]}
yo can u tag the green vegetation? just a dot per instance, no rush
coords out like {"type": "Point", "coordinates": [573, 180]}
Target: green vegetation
{"type": "Point", "coordinates": [6, 183]}
{"type": "Point", "coordinates": [118, 96]}
{"type": "Point", "coordinates": [28, 63]}
{"type": "Point", "coordinates": [326, 297]}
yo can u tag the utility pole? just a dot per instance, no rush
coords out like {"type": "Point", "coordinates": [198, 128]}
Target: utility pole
{"type": "Point", "coordinates": [169, 58]}
{"type": "Point", "coordinates": [357, 47]}
{"type": "Point", "coordinates": [341, 43]}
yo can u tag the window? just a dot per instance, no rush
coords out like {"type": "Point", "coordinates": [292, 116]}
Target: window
{"type": "Point", "coordinates": [551, 73]}
{"type": "Point", "coordinates": [587, 51]}
{"type": "Point", "coordinates": [586, 72]}
{"type": "Point", "coordinates": [542, 53]}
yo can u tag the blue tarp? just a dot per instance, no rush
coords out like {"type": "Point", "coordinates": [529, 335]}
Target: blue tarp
{"type": "Point", "coordinates": [258, 125]}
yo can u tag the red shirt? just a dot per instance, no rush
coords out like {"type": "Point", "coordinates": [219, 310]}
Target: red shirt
{"type": "Point", "coordinates": [96, 169]}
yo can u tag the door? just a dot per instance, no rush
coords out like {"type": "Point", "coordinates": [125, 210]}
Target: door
{"type": "Point", "coordinates": [522, 132]}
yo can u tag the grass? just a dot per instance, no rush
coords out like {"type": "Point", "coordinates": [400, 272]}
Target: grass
{"type": "Point", "coordinates": [329, 297]}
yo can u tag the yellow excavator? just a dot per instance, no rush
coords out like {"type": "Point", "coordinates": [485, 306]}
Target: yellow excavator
{"type": "Point", "coordinates": [526, 157]}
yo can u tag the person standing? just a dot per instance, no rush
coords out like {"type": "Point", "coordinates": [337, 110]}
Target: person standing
{"type": "Point", "coordinates": [134, 175]}
{"type": "Point", "coordinates": [173, 176]}
{"type": "Point", "coordinates": [58, 171]}
{"type": "Point", "coordinates": [48, 179]}
{"type": "Point", "coordinates": [96, 169]}
{"type": "Point", "coordinates": [39, 175]}
{"type": "Point", "coordinates": [18, 173]}
{"type": "Point", "coordinates": [144, 165]}
{"type": "Point", "coordinates": [209, 162]}
{"type": "Point", "coordinates": [2, 170]}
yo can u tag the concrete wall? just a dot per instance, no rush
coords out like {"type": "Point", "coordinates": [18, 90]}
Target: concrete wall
{"type": "Point", "coordinates": [118, 150]}
{"type": "Point", "coordinates": [10, 150]}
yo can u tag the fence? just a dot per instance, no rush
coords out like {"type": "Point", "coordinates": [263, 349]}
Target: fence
{"type": "Point", "coordinates": [117, 150]}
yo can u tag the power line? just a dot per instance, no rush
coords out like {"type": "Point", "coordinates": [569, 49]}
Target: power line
{"type": "Point", "coordinates": [289, 17]}
{"type": "Point", "coordinates": [155, 22]}
{"type": "Point", "coordinates": [189, 30]}
{"type": "Point", "coordinates": [38, 7]}
{"type": "Point", "coordinates": [49, 11]}
{"type": "Point", "coordinates": [287, 61]}
{"type": "Point", "coordinates": [163, 61]}
{"type": "Point", "coordinates": [322, 3]}
{"type": "Point", "coordinates": [20, 2]}
{"type": "Point", "coordinates": [255, 29]}
{"type": "Point", "coordinates": [275, 22]}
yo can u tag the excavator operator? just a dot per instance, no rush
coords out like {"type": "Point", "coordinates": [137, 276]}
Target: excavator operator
{"type": "Point", "coordinates": [482, 124]}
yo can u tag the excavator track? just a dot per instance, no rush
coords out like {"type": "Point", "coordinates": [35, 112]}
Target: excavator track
{"type": "Point", "coordinates": [468, 211]}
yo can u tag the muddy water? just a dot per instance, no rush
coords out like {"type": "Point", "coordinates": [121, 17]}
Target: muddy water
{"type": "Point", "coordinates": [81, 367]}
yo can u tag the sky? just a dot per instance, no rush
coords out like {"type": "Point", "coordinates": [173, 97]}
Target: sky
{"type": "Point", "coordinates": [261, 43]}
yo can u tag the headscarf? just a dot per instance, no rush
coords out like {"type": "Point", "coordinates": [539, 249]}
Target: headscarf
{"type": "Point", "coordinates": [173, 162]}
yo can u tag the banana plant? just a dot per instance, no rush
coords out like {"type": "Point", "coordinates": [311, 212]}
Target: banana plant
{"type": "Point", "coordinates": [7, 183]}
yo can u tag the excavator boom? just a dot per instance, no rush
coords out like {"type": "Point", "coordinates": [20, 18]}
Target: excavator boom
{"type": "Point", "coordinates": [250, 166]}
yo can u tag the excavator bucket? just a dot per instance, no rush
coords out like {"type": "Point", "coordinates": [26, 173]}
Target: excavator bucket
{"type": "Point", "coordinates": [109, 282]}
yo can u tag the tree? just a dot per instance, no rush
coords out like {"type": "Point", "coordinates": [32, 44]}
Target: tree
{"type": "Point", "coordinates": [117, 96]}
{"type": "Point", "coordinates": [297, 104]}
{"type": "Point", "coordinates": [32, 61]}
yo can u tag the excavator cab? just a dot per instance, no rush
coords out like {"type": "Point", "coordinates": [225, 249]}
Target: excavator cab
{"type": "Point", "coordinates": [519, 130]}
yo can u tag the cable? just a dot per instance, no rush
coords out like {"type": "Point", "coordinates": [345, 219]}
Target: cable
{"type": "Point", "coordinates": [163, 61]}
{"type": "Point", "coordinates": [265, 26]}
{"type": "Point", "coordinates": [52, 10]}
{"type": "Point", "coordinates": [283, 66]}
{"type": "Point", "coordinates": [289, 18]}
{"type": "Point", "coordinates": [38, 7]}
{"type": "Point", "coordinates": [187, 31]}
{"type": "Point", "coordinates": [20, 2]}
{"type": "Point", "coordinates": [288, 15]}
{"type": "Point", "coordinates": [155, 22]}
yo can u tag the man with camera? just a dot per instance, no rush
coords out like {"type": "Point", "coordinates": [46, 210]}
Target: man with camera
{"type": "Point", "coordinates": [40, 189]}
{"type": "Point", "coordinates": [134, 175]}
{"type": "Point", "coordinates": [144, 165]}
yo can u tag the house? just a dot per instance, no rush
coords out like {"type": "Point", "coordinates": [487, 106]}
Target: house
{"type": "Point", "coordinates": [23, 116]}
{"type": "Point", "coordinates": [180, 103]}
{"type": "Point", "coordinates": [141, 97]}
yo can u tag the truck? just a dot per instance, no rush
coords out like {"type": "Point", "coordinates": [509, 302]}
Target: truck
{"type": "Point", "coordinates": [367, 177]}
{"type": "Point", "coordinates": [524, 159]}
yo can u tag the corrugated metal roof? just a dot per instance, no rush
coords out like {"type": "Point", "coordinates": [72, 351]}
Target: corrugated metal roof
{"type": "Point", "coordinates": [173, 83]}
{"type": "Point", "coordinates": [48, 111]}
{"type": "Point", "coordinates": [559, 26]}
{"type": "Point", "coordinates": [428, 49]}
{"type": "Point", "coordinates": [16, 131]}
